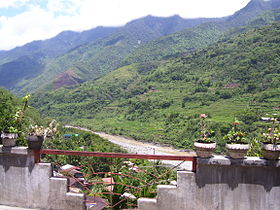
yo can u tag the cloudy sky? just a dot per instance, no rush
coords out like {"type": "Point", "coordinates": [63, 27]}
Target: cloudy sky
{"type": "Point", "coordinates": [22, 21]}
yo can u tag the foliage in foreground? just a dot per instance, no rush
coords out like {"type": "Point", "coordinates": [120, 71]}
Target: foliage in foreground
{"type": "Point", "coordinates": [137, 177]}
{"type": "Point", "coordinates": [16, 115]}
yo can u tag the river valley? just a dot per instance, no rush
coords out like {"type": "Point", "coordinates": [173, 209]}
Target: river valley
{"type": "Point", "coordinates": [138, 147]}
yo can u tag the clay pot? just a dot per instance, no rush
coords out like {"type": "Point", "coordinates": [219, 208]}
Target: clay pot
{"type": "Point", "coordinates": [237, 151]}
{"type": "Point", "coordinates": [35, 142]}
{"type": "Point", "coordinates": [204, 150]}
{"type": "Point", "coordinates": [9, 139]}
{"type": "Point", "coordinates": [270, 151]}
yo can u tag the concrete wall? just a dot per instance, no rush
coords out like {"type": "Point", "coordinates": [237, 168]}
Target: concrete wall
{"type": "Point", "coordinates": [221, 183]}
{"type": "Point", "coordinates": [26, 184]}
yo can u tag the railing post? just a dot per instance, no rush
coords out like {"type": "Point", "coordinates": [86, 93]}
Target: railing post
{"type": "Point", "coordinates": [194, 164]}
{"type": "Point", "coordinates": [37, 155]}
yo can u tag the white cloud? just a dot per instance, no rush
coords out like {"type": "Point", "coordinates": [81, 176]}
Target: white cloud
{"type": "Point", "coordinates": [12, 3]}
{"type": "Point", "coordinates": [118, 12]}
{"type": "Point", "coordinates": [41, 23]}
{"type": "Point", "coordinates": [69, 7]}
{"type": "Point", "coordinates": [25, 27]}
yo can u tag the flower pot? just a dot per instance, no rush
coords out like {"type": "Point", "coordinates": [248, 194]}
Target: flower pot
{"type": "Point", "coordinates": [270, 151]}
{"type": "Point", "coordinates": [237, 151]}
{"type": "Point", "coordinates": [204, 150]}
{"type": "Point", "coordinates": [35, 142]}
{"type": "Point", "coordinates": [9, 139]}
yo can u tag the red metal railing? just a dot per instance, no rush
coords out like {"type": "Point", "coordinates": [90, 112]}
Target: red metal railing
{"type": "Point", "coordinates": [114, 155]}
{"type": "Point", "coordinates": [38, 153]}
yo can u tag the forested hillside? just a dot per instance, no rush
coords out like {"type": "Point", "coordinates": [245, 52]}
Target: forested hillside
{"type": "Point", "coordinates": [72, 58]}
{"type": "Point", "coordinates": [87, 55]}
{"type": "Point", "coordinates": [57, 45]}
{"type": "Point", "coordinates": [160, 101]}
{"type": "Point", "coordinates": [183, 42]}
{"type": "Point", "coordinates": [19, 65]}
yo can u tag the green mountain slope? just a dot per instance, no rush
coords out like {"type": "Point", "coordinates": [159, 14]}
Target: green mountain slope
{"type": "Point", "coordinates": [76, 58]}
{"type": "Point", "coordinates": [99, 57]}
{"type": "Point", "coordinates": [57, 45]}
{"type": "Point", "coordinates": [161, 101]}
{"type": "Point", "coordinates": [134, 43]}
{"type": "Point", "coordinates": [88, 54]}
{"type": "Point", "coordinates": [22, 68]}
{"type": "Point", "coordinates": [253, 8]}
{"type": "Point", "coordinates": [179, 43]}
{"type": "Point", "coordinates": [255, 14]}
{"type": "Point", "coordinates": [19, 65]}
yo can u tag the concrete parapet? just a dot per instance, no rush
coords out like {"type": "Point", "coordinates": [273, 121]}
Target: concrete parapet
{"type": "Point", "coordinates": [26, 184]}
{"type": "Point", "coordinates": [222, 183]}
{"type": "Point", "coordinates": [249, 161]}
{"type": "Point", "coordinates": [148, 203]}
{"type": "Point", "coordinates": [166, 191]}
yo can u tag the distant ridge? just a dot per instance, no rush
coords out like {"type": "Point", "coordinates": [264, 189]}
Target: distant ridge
{"type": "Point", "coordinates": [93, 53]}
{"type": "Point", "coordinates": [85, 51]}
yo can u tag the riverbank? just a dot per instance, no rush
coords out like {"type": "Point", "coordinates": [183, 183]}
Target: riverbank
{"type": "Point", "coordinates": [138, 147]}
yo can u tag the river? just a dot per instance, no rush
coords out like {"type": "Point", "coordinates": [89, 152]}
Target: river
{"type": "Point", "coordinates": [139, 147]}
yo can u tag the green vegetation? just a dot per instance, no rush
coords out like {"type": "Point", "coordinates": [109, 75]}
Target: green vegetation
{"type": "Point", "coordinates": [88, 55]}
{"type": "Point", "coordinates": [199, 37]}
{"type": "Point", "coordinates": [7, 107]}
{"type": "Point", "coordinates": [137, 177]}
{"type": "Point", "coordinates": [160, 86]}
{"type": "Point", "coordinates": [161, 101]}
{"type": "Point", "coordinates": [16, 115]}
{"type": "Point", "coordinates": [179, 43]}
{"type": "Point", "coordinates": [235, 135]}
{"type": "Point", "coordinates": [91, 54]}
{"type": "Point", "coordinates": [157, 90]}
{"type": "Point", "coordinates": [84, 141]}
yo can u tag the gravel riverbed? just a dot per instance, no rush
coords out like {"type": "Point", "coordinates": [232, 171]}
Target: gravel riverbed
{"type": "Point", "coordinates": [138, 147]}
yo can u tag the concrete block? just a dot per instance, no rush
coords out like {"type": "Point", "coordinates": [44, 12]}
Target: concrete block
{"type": "Point", "coordinates": [75, 201]}
{"type": "Point", "coordinates": [147, 203]}
{"type": "Point", "coordinates": [167, 192]}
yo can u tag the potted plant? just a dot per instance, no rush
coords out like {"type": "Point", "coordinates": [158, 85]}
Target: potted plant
{"type": "Point", "coordinates": [237, 145]}
{"type": "Point", "coordinates": [271, 143]}
{"type": "Point", "coordinates": [13, 125]}
{"type": "Point", "coordinates": [37, 134]}
{"type": "Point", "coordinates": [9, 136]}
{"type": "Point", "coordinates": [206, 145]}
{"type": "Point", "coordinates": [36, 137]}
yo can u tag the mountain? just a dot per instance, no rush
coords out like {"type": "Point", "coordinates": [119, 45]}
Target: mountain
{"type": "Point", "coordinates": [253, 8]}
{"type": "Point", "coordinates": [24, 67]}
{"type": "Point", "coordinates": [235, 77]}
{"type": "Point", "coordinates": [90, 55]}
{"type": "Point", "coordinates": [255, 14]}
{"type": "Point", "coordinates": [24, 63]}
{"type": "Point", "coordinates": [178, 43]}
{"type": "Point", "coordinates": [57, 45]}
{"type": "Point", "coordinates": [98, 55]}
